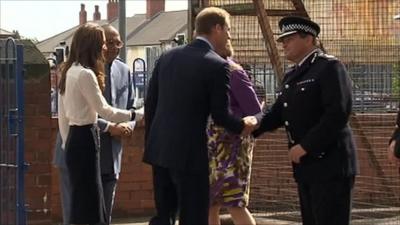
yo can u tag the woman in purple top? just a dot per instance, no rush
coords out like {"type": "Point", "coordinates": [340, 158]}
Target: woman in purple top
{"type": "Point", "coordinates": [230, 155]}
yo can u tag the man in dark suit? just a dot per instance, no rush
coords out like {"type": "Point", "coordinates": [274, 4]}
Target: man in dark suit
{"type": "Point", "coordinates": [119, 92]}
{"type": "Point", "coordinates": [314, 104]}
{"type": "Point", "coordinates": [187, 85]}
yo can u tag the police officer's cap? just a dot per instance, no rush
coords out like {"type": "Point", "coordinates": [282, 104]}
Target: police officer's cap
{"type": "Point", "coordinates": [293, 24]}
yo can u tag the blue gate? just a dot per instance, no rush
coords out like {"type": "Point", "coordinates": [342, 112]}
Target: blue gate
{"type": "Point", "coordinates": [12, 166]}
{"type": "Point", "coordinates": [140, 78]}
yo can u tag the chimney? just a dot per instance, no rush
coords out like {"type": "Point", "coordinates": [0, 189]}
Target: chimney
{"type": "Point", "coordinates": [82, 15]}
{"type": "Point", "coordinates": [112, 9]}
{"type": "Point", "coordinates": [154, 7]}
{"type": "Point", "coordinates": [96, 14]}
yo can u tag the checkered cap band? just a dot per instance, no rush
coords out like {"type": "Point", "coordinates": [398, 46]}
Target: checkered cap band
{"type": "Point", "coordinates": [299, 27]}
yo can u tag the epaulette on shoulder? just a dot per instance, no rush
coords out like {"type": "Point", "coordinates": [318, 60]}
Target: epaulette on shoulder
{"type": "Point", "coordinates": [326, 56]}
{"type": "Point", "coordinates": [291, 68]}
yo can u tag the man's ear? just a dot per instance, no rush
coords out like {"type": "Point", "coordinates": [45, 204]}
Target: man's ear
{"type": "Point", "coordinates": [310, 39]}
{"type": "Point", "coordinates": [218, 27]}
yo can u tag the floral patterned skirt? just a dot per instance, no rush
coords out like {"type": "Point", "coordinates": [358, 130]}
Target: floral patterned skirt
{"type": "Point", "coordinates": [230, 158]}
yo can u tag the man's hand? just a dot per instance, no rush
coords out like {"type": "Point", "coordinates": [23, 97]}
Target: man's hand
{"type": "Point", "coordinates": [391, 157]}
{"type": "Point", "coordinates": [128, 131]}
{"type": "Point", "coordinates": [119, 130]}
{"type": "Point", "coordinates": [296, 152]}
{"type": "Point", "coordinates": [250, 123]}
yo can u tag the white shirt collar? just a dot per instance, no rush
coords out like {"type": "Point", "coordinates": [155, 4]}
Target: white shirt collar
{"type": "Point", "coordinates": [205, 40]}
{"type": "Point", "coordinates": [304, 59]}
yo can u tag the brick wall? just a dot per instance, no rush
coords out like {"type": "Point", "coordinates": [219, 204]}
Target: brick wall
{"type": "Point", "coordinates": [135, 188]}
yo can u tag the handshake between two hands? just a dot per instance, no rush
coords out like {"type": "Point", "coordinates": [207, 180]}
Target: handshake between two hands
{"type": "Point", "coordinates": [120, 129]}
{"type": "Point", "coordinates": [125, 129]}
{"type": "Point", "coordinates": [250, 124]}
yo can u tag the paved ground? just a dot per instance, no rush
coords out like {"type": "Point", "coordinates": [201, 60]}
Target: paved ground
{"type": "Point", "coordinates": [132, 221]}
{"type": "Point", "coordinates": [225, 221]}
{"type": "Point", "coordinates": [265, 221]}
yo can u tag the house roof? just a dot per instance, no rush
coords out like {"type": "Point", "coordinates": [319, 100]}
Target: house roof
{"type": "Point", "coordinates": [48, 45]}
{"type": "Point", "coordinates": [4, 32]}
{"type": "Point", "coordinates": [163, 26]}
{"type": "Point", "coordinates": [139, 30]}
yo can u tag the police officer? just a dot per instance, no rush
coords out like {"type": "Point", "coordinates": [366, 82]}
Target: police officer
{"type": "Point", "coordinates": [314, 104]}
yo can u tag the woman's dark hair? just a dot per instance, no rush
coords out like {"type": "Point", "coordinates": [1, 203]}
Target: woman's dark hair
{"type": "Point", "coordinates": [87, 50]}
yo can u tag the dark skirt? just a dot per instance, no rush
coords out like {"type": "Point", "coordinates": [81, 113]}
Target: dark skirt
{"type": "Point", "coordinates": [82, 158]}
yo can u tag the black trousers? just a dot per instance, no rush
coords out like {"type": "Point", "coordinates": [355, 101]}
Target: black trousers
{"type": "Point", "coordinates": [165, 197]}
{"type": "Point", "coordinates": [83, 163]}
{"type": "Point", "coordinates": [326, 203]}
{"type": "Point", "coordinates": [192, 196]}
{"type": "Point", "coordinates": [193, 190]}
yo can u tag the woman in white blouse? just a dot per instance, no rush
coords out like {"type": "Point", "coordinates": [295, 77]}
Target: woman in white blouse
{"type": "Point", "coordinates": [81, 100]}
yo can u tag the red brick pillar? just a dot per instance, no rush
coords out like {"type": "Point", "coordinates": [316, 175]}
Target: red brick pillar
{"type": "Point", "coordinates": [39, 142]}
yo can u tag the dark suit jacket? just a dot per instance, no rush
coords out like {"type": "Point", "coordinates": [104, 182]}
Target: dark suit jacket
{"type": "Point", "coordinates": [314, 104]}
{"type": "Point", "coordinates": [187, 84]}
{"type": "Point", "coordinates": [122, 96]}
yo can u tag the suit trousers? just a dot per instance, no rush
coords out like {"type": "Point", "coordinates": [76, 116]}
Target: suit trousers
{"type": "Point", "coordinates": [193, 190]}
{"type": "Point", "coordinates": [65, 189]}
{"type": "Point", "coordinates": [165, 197]}
{"type": "Point", "coordinates": [109, 182]}
{"type": "Point", "coordinates": [327, 202]}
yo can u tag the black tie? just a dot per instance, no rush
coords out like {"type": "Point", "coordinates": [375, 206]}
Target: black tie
{"type": "Point", "coordinates": [107, 90]}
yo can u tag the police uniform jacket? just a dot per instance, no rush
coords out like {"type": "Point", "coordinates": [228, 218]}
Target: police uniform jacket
{"type": "Point", "coordinates": [314, 104]}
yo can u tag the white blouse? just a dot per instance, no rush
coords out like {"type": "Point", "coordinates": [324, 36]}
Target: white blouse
{"type": "Point", "coordinates": [83, 101]}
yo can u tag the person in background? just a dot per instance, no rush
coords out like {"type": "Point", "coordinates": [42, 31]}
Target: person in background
{"type": "Point", "coordinates": [119, 93]}
{"type": "Point", "coordinates": [80, 103]}
{"type": "Point", "coordinates": [392, 143]}
{"type": "Point", "coordinates": [188, 84]}
{"type": "Point", "coordinates": [314, 104]}
{"type": "Point", "coordinates": [64, 183]}
{"type": "Point", "coordinates": [396, 134]}
{"type": "Point", "coordinates": [230, 155]}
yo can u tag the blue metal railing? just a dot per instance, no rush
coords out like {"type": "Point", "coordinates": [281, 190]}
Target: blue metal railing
{"type": "Point", "coordinates": [12, 165]}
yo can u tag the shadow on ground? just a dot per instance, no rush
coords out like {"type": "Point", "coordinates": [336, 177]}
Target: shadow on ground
{"type": "Point", "coordinates": [266, 221]}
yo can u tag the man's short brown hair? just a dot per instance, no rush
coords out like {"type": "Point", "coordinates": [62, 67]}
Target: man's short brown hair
{"type": "Point", "coordinates": [210, 17]}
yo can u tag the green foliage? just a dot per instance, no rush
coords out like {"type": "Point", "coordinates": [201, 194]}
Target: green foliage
{"type": "Point", "coordinates": [396, 79]}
